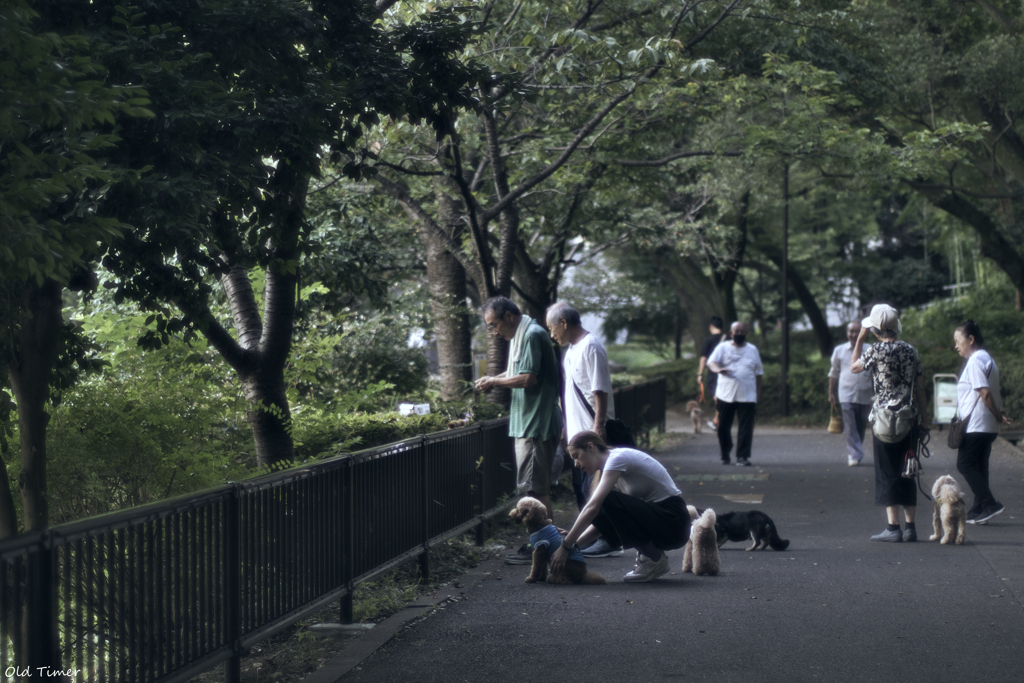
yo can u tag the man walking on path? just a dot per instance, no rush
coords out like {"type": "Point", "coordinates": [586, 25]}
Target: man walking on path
{"type": "Point", "coordinates": [535, 421]}
{"type": "Point", "coordinates": [587, 399]}
{"type": "Point", "coordinates": [709, 345]}
{"type": "Point", "coordinates": [739, 369]}
{"type": "Point", "coordinates": [853, 393]}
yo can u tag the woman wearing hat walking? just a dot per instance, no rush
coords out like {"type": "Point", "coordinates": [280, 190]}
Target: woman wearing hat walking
{"type": "Point", "coordinates": [895, 369]}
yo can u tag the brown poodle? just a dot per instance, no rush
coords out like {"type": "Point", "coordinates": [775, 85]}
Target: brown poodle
{"type": "Point", "coordinates": [545, 539]}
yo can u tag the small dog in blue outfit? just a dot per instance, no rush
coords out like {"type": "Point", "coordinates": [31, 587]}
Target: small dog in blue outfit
{"type": "Point", "coordinates": [545, 539]}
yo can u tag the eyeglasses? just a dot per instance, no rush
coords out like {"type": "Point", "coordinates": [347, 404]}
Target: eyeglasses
{"type": "Point", "coordinates": [491, 326]}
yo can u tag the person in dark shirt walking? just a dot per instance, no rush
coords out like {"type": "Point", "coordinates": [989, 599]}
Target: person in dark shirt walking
{"type": "Point", "coordinates": [710, 342]}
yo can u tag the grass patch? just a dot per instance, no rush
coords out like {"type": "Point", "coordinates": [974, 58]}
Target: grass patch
{"type": "Point", "coordinates": [633, 355]}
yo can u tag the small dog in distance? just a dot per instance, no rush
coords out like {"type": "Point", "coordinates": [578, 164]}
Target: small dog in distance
{"type": "Point", "coordinates": [754, 525]}
{"type": "Point", "coordinates": [701, 553]}
{"type": "Point", "coordinates": [693, 408]}
{"type": "Point", "coordinates": [950, 518]}
{"type": "Point", "coordinates": [545, 540]}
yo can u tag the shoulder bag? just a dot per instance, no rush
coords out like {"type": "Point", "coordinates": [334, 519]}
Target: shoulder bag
{"type": "Point", "coordinates": [958, 427]}
{"type": "Point", "coordinates": [616, 430]}
{"type": "Point", "coordinates": [892, 426]}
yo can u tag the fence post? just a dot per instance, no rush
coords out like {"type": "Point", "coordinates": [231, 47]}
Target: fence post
{"type": "Point", "coordinates": [425, 524]}
{"type": "Point", "coordinates": [233, 585]}
{"type": "Point", "coordinates": [348, 562]}
{"type": "Point", "coordinates": [662, 401]}
{"type": "Point", "coordinates": [481, 479]}
{"type": "Point", "coordinates": [42, 645]}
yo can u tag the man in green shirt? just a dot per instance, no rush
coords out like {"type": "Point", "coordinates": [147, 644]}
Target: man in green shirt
{"type": "Point", "coordinates": [535, 420]}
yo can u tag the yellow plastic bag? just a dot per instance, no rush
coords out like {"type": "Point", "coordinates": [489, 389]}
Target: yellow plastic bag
{"type": "Point", "coordinates": [835, 424]}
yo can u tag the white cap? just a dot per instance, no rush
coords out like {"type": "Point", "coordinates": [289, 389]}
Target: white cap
{"type": "Point", "coordinates": [884, 317]}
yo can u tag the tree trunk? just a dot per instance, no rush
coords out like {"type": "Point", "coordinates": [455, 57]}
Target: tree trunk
{"type": "Point", "coordinates": [259, 358]}
{"type": "Point", "coordinates": [508, 218]}
{"type": "Point", "coordinates": [694, 290]}
{"type": "Point", "coordinates": [36, 348]}
{"type": "Point", "coordinates": [993, 244]}
{"type": "Point", "coordinates": [8, 513]}
{"type": "Point", "coordinates": [446, 279]}
{"type": "Point", "coordinates": [532, 285]}
{"type": "Point", "coordinates": [724, 274]}
{"type": "Point", "coordinates": [38, 344]}
{"type": "Point", "coordinates": [814, 314]}
{"type": "Point", "coordinates": [261, 352]}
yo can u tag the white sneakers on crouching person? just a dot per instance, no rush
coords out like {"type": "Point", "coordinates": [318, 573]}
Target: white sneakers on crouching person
{"type": "Point", "coordinates": [647, 569]}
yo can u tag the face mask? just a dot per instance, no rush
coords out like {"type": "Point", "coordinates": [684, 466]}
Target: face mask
{"type": "Point", "coordinates": [740, 339]}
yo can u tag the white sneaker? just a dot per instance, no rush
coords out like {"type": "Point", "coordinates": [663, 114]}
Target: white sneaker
{"type": "Point", "coordinates": [851, 462]}
{"type": "Point", "coordinates": [647, 569]}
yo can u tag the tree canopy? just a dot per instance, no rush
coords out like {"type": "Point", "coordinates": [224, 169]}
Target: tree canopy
{"type": "Point", "coordinates": [297, 188]}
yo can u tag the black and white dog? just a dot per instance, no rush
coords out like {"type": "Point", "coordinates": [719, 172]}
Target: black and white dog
{"type": "Point", "coordinates": [756, 526]}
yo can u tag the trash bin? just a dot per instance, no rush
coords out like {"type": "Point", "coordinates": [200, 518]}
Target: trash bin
{"type": "Point", "coordinates": [945, 399]}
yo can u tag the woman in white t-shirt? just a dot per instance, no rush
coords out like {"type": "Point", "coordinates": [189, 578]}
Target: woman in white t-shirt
{"type": "Point", "coordinates": [636, 501]}
{"type": "Point", "coordinates": [979, 402]}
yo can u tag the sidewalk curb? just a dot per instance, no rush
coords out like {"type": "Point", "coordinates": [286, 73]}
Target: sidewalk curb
{"type": "Point", "coordinates": [372, 640]}
{"type": "Point", "coordinates": [1017, 450]}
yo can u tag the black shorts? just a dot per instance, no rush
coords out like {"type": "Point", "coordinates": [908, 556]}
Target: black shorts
{"type": "Point", "coordinates": [890, 487]}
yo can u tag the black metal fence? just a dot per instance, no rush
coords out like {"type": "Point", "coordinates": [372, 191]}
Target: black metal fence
{"type": "Point", "coordinates": [642, 407]}
{"type": "Point", "coordinates": [162, 592]}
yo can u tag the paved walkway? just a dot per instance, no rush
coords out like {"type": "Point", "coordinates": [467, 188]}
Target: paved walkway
{"type": "Point", "coordinates": [833, 607]}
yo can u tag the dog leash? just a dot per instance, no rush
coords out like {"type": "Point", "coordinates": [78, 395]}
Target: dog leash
{"type": "Point", "coordinates": [702, 390]}
{"type": "Point", "coordinates": [924, 435]}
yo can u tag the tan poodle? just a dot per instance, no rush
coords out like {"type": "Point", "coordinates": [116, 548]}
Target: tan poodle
{"type": "Point", "coordinates": [701, 553]}
{"type": "Point", "coordinates": [545, 540]}
{"type": "Point", "coordinates": [950, 518]}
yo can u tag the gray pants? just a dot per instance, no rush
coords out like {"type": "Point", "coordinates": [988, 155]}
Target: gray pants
{"type": "Point", "coordinates": [855, 423]}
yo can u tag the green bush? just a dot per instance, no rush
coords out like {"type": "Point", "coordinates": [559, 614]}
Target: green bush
{"type": "Point", "coordinates": [321, 434]}
{"type": "Point", "coordinates": [808, 389]}
{"type": "Point", "coordinates": [625, 379]}
{"type": "Point", "coordinates": [992, 307]}
{"type": "Point", "coordinates": [363, 367]}
{"type": "Point", "coordinates": [114, 444]}
{"type": "Point", "coordinates": [680, 378]}
{"type": "Point", "coordinates": [1011, 385]}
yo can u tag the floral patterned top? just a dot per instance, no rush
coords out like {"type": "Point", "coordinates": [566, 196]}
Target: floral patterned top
{"type": "Point", "coordinates": [894, 367]}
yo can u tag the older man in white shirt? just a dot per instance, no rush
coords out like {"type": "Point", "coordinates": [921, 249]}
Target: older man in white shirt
{"type": "Point", "coordinates": [853, 393]}
{"type": "Point", "coordinates": [738, 364]}
{"type": "Point", "coordinates": [588, 401]}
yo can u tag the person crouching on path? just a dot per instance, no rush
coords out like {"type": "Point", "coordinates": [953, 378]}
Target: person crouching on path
{"type": "Point", "coordinates": [635, 501]}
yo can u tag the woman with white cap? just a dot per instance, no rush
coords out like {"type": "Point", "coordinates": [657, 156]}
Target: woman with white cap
{"type": "Point", "coordinates": [899, 400]}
